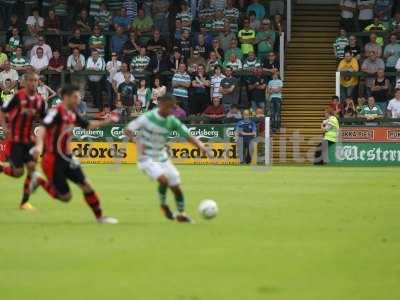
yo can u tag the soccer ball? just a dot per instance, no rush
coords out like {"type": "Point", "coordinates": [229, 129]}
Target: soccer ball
{"type": "Point", "coordinates": [208, 209]}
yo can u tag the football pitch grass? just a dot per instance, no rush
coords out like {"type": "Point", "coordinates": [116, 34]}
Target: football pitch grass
{"type": "Point", "coordinates": [295, 233]}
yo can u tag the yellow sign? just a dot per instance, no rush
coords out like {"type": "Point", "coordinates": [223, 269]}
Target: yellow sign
{"type": "Point", "coordinates": [180, 153]}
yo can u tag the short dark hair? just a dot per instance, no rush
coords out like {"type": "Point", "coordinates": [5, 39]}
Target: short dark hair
{"type": "Point", "coordinates": [167, 98]}
{"type": "Point", "coordinates": [335, 98]}
{"type": "Point", "coordinates": [68, 90]}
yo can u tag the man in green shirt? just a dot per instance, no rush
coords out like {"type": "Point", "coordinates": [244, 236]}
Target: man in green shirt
{"type": "Point", "coordinates": [247, 37]}
{"type": "Point", "coordinates": [18, 62]}
{"type": "Point", "coordinates": [265, 39]}
{"type": "Point", "coordinates": [143, 23]}
{"type": "Point", "coordinates": [233, 49]}
{"type": "Point", "coordinates": [97, 41]}
{"type": "Point", "coordinates": [371, 111]}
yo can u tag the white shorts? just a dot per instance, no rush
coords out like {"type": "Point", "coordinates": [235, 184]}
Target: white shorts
{"type": "Point", "coordinates": [155, 169]}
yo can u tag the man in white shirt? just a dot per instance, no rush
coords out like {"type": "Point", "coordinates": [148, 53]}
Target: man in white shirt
{"type": "Point", "coordinates": [348, 7]}
{"type": "Point", "coordinates": [46, 48]}
{"type": "Point", "coordinates": [216, 82]}
{"type": "Point", "coordinates": [35, 22]}
{"type": "Point", "coordinates": [113, 67]}
{"type": "Point", "coordinates": [96, 63]}
{"type": "Point", "coordinates": [39, 61]}
{"type": "Point", "coordinates": [393, 108]}
{"type": "Point", "coordinates": [8, 73]}
{"type": "Point", "coordinates": [76, 63]}
{"type": "Point", "coordinates": [119, 77]}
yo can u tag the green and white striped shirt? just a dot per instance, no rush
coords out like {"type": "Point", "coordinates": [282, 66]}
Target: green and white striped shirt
{"type": "Point", "coordinates": [18, 62]}
{"type": "Point", "coordinates": [180, 91]}
{"type": "Point", "coordinates": [140, 63]}
{"type": "Point", "coordinates": [153, 131]}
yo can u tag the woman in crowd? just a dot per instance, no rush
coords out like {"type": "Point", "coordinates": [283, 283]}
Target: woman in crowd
{"type": "Point", "coordinates": [159, 90]}
{"type": "Point", "coordinates": [144, 94]}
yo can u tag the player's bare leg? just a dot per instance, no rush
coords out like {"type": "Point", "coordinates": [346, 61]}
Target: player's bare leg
{"type": "Point", "coordinates": [180, 205]}
{"type": "Point", "coordinates": [162, 193]}
{"type": "Point", "coordinates": [93, 202]}
{"type": "Point", "coordinates": [30, 176]}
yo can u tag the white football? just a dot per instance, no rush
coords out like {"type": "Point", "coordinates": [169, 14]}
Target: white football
{"type": "Point", "coordinates": [208, 209]}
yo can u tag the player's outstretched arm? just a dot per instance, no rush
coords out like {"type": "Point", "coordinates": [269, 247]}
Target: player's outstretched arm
{"type": "Point", "coordinates": [196, 142]}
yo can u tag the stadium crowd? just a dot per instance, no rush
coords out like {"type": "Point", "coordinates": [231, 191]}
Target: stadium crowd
{"type": "Point", "coordinates": [217, 57]}
{"type": "Point", "coordinates": [368, 54]}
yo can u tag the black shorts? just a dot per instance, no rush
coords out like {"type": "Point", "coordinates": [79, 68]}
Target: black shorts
{"type": "Point", "coordinates": [19, 154]}
{"type": "Point", "coordinates": [58, 170]}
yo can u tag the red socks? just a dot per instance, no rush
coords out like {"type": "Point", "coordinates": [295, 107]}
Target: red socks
{"type": "Point", "coordinates": [93, 201]}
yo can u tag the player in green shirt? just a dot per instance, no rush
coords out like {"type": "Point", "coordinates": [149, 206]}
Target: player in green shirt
{"type": "Point", "coordinates": [152, 131]}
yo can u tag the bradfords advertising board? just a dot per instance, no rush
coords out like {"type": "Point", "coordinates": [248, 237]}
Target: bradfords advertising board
{"type": "Point", "coordinates": [365, 154]}
{"type": "Point", "coordinates": [116, 133]}
{"type": "Point", "coordinates": [370, 134]}
{"type": "Point", "coordinates": [125, 153]}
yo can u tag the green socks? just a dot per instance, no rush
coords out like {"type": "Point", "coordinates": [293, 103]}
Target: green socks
{"type": "Point", "coordinates": [162, 194]}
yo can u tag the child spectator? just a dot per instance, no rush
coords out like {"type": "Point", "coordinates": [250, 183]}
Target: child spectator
{"type": "Point", "coordinates": [340, 44]}
{"type": "Point", "coordinates": [349, 109]}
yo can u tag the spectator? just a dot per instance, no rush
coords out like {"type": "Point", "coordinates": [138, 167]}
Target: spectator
{"type": "Point", "coordinates": [44, 90]}
{"type": "Point", "coordinates": [176, 60]}
{"type": "Point", "coordinates": [77, 41]}
{"type": "Point", "coordinates": [14, 22]}
{"type": "Point", "coordinates": [275, 93]}
{"type": "Point", "coordinates": [157, 43]}
{"type": "Point", "coordinates": [39, 62]}
{"type": "Point", "coordinates": [218, 23]}
{"type": "Point", "coordinates": [103, 18]}
{"type": "Point", "coordinates": [195, 61]}
{"type": "Point", "coordinates": [212, 62]}
{"type": "Point", "coordinates": [234, 63]}
{"type": "Point", "coordinates": [371, 111]}
{"type": "Point", "coordinates": [53, 26]}
{"type": "Point", "coordinates": [258, 9]}
{"type": "Point", "coordinates": [225, 37]}
{"type": "Point", "coordinates": [10, 74]}
{"type": "Point", "coordinates": [340, 44]}
{"type": "Point", "coordinates": [383, 9]}
{"type": "Point", "coordinates": [177, 30]}
{"type": "Point", "coordinates": [366, 12]}
{"type": "Point", "coordinates": [347, 82]}
{"type": "Point", "coordinates": [159, 90]}
{"type": "Point", "coordinates": [229, 88]}
{"type": "Point", "coordinates": [83, 22]}
{"type": "Point", "coordinates": [3, 57]}
{"type": "Point", "coordinates": [393, 108]}
{"type": "Point", "coordinates": [348, 8]}
{"type": "Point", "coordinates": [392, 53]}
{"type": "Point", "coordinates": [7, 93]}
{"type": "Point", "coordinates": [216, 47]}
{"type": "Point", "coordinates": [76, 63]}
{"type": "Point", "coordinates": [35, 22]}
{"type": "Point", "coordinates": [377, 27]}
{"type": "Point", "coordinates": [257, 86]}
{"type": "Point", "coordinates": [394, 24]}
{"type": "Point", "coordinates": [118, 41]}
{"type": "Point", "coordinates": [265, 39]}
{"type": "Point", "coordinates": [353, 48]}
{"type": "Point", "coordinates": [185, 45]}
{"type": "Point", "coordinates": [234, 113]}
{"type": "Point", "coordinates": [254, 22]}
{"type": "Point", "coordinates": [216, 80]}
{"type": "Point", "coordinates": [180, 83]}
{"type": "Point", "coordinates": [119, 77]}
{"type": "Point", "coordinates": [380, 89]}
{"type": "Point", "coordinates": [142, 24]}
{"type": "Point", "coordinates": [97, 41]}
{"type": "Point", "coordinates": [122, 20]}
{"type": "Point", "coordinates": [127, 93]}
{"type": "Point", "coordinates": [19, 62]}
{"type": "Point", "coordinates": [140, 62]}
{"type": "Point", "coordinates": [200, 91]}
{"type": "Point", "coordinates": [131, 7]}
{"type": "Point", "coordinates": [251, 63]}
{"type": "Point", "coordinates": [349, 109]}
{"type": "Point", "coordinates": [202, 47]}
{"type": "Point", "coordinates": [159, 63]}
{"type": "Point", "coordinates": [113, 66]}
{"type": "Point", "coordinates": [121, 110]}
{"type": "Point", "coordinates": [247, 37]}
{"type": "Point", "coordinates": [214, 111]}
{"type": "Point", "coordinates": [232, 15]}
{"type": "Point", "coordinates": [185, 16]}
{"type": "Point", "coordinates": [371, 65]}
{"type": "Point", "coordinates": [131, 48]}
{"type": "Point", "coordinates": [45, 47]}
{"type": "Point", "coordinates": [206, 14]}
{"type": "Point", "coordinates": [271, 64]}
{"type": "Point", "coordinates": [160, 10]}
{"type": "Point", "coordinates": [144, 94]}
{"type": "Point", "coordinates": [233, 48]}
{"type": "Point", "coordinates": [278, 23]}
{"type": "Point", "coordinates": [14, 41]}
{"type": "Point", "coordinates": [360, 104]}
{"type": "Point", "coordinates": [96, 63]}
{"type": "Point", "coordinates": [245, 131]}
{"type": "Point", "coordinates": [335, 106]}
{"type": "Point", "coordinates": [60, 10]}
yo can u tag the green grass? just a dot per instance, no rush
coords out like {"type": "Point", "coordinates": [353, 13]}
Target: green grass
{"type": "Point", "coordinates": [297, 233]}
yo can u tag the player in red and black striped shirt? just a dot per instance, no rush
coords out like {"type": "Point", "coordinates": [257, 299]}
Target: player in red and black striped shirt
{"type": "Point", "coordinates": [58, 163]}
{"type": "Point", "coordinates": [22, 111]}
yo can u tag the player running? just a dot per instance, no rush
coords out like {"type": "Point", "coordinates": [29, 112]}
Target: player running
{"type": "Point", "coordinates": [153, 129]}
{"type": "Point", "coordinates": [58, 163]}
{"type": "Point", "coordinates": [22, 111]}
